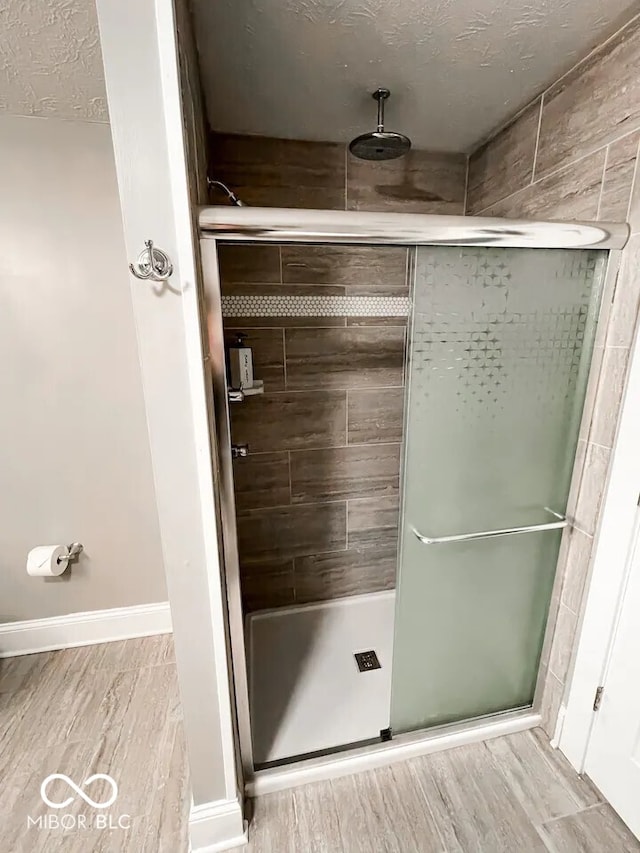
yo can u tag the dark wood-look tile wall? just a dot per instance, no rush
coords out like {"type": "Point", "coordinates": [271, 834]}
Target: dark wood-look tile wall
{"type": "Point", "coordinates": [322, 175]}
{"type": "Point", "coordinates": [317, 497]}
{"type": "Point", "coordinates": [375, 415]}
{"type": "Point", "coordinates": [420, 182]}
{"type": "Point", "coordinates": [361, 270]}
{"type": "Point", "coordinates": [280, 172]}
{"type": "Point", "coordinates": [343, 473]}
{"type": "Point", "coordinates": [254, 263]}
{"type": "Point", "coordinates": [291, 531]}
{"type": "Point", "coordinates": [290, 421]}
{"type": "Point", "coordinates": [353, 357]}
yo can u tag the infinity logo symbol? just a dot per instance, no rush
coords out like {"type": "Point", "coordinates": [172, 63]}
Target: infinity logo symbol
{"type": "Point", "coordinates": [79, 791]}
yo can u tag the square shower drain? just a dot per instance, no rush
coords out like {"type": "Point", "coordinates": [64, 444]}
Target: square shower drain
{"type": "Point", "coordinates": [367, 660]}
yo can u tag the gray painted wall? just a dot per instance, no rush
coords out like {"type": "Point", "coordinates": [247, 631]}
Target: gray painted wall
{"type": "Point", "coordinates": [74, 450]}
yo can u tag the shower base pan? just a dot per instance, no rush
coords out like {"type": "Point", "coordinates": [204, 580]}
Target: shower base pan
{"type": "Point", "coordinates": [308, 690]}
{"type": "Point", "coordinates": [308, 695]}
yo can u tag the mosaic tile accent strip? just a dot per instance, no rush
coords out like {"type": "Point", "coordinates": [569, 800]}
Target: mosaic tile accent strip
{"type": "Point", "coordinates": [315, 306]}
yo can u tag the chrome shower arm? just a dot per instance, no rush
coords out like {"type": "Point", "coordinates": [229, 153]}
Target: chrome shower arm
{"type": "Point", "coordinates": [233, 198]}
{"type": "Point", "coordinates": [381, 95]}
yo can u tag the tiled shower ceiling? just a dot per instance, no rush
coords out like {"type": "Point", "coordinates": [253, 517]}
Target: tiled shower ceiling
{"type": "Point", "coordinates": [303, 69]}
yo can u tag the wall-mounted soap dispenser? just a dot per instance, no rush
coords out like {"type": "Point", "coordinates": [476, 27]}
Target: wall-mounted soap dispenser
{"type": "Point", "coordinates": [240, 363]}
{"type": "Point", "coordinates": [242, 382]}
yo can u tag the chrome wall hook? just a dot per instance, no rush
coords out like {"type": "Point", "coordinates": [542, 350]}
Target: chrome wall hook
{"type": "Point", "coordinates": [153, 264]}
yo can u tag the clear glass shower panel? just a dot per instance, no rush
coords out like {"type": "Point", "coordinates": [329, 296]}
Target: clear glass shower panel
{"type": "Point", "coordinates": [499, 356]}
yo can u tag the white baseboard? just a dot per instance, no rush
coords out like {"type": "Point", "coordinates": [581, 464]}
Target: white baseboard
{"type": "Point", "coordinates": [217, 826]}
{"type": "Point", "coordinates": [84, 629]}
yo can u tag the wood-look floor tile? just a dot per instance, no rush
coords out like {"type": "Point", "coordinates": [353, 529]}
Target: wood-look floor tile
{"type": "Point", "coordinates": [596, 830]}
{"type": "Point", "coordinates": [375, 415]}
{"type": "Point", "coordinates": [546, 786]}
{"type": "Point", "coordinates": [373, 522]}
{"type": "Point", "coordinates": [287, 532]}
{"type": "Point", "coordinates": [353, 571]}
{"type": "Point", "coordinates": [13, 707]}
{"type": "Point", "coordinates": [290, 421]}
{"type": "Point", "coordinates": [341, 473]}
{"type": "Point", "coordinates": [318, 819]}
{"type": "Point", "coordinates": [472, 804]}
{"type": "Point", "coordinates": [505, 163]}
{"type": "Point", "coordinates": [141, 745]}
{"type": "Point", "coordinates": [267, 348]}
{"type": "Point", "coordinates": [134, 733]}
{"type": "Point", "coordinates": [63, 706]}
{"type": "Point", "coordinates": [369, 269]}
{"type": "Point", "coordinates": [141, 699]}
{"type": "Point", "coordinates": [21, 671]}
{"type": "Point", "coordinates": [129, 756]}
{"type": "Point", "coordinates": [482, 798]}
{"type": "Point", "coordinates": [132, 762]}
{"type": "Point", "coordinates": [384, 810]}
{"type": "Point", "coordinates": [420, 182]}
{"type": "Point", "coordinates": [124, 655]}
{"type": "Point", "coordinates": [140, 837]}
{"type": "Point", "coordinates": [583, 789]}
{"type": "Point", "coordinates": [261, 480]}
{"type": "Point", "coordinates": [168, 815]}
{"type": "Point", "coordinates": [351, 357]}
{"type": "Point", "coordinates": [273, 824]}
{"type": "Point", "coordinates": [94, 840]}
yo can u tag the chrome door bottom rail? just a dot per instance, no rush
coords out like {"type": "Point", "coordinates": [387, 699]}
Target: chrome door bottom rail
{"type": "Point", "coordinates": [491, 534]}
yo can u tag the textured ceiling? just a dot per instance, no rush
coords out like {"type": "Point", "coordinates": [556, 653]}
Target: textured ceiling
{"type": "Point", "coordinates": [50, 60]}
{"type": "Point", "coordinates": [304, 69]}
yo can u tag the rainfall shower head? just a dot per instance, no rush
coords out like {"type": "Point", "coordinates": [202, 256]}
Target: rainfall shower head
{"type": "Point", "coordinates": [380, 144]}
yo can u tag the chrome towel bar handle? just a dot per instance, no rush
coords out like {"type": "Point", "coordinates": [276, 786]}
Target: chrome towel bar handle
{"type": "Point", "coordinates": [491, 534]}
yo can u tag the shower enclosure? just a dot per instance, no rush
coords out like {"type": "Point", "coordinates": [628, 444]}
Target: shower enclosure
{"type": "Point", "coordinates": [503, 320]}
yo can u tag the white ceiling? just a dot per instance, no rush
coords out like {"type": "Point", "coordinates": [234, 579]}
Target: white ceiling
{"type": "Point", "coordinates": [50, 59]}
{"type": "Point", "coordinates": [303, 69]}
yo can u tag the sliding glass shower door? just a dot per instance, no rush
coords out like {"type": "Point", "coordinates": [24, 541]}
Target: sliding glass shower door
{"type": "Point", "coordinates": [500, 349]}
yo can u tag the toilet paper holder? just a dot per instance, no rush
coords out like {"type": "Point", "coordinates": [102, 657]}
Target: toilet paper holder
{"type": "Point", "coordinates": [75, 549]}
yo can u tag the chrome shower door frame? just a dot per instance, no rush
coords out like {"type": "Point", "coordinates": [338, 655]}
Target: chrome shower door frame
{"type": "Point", "coordinates": [326, 227]}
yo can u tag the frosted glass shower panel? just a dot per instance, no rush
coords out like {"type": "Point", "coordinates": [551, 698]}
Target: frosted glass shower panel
{"type": "Point", "coordinates": [500, 350]}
